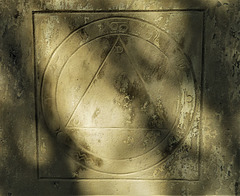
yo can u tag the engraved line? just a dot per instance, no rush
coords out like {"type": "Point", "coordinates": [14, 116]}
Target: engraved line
{"type": "Point", "coordinates": [35, 95]}
{"type": "Point", "coordinates": [165, 133]}
{"type": "Point", "coordinates": [202, 95]}
{"type": "Point", "coordinates": [136, 70]}
{"type": "Point", "coordinates": [161, 161]}
{"type": "Point", "coordinates": [134, 67]}
{"type": "Point", "coordinates": [140, 128]}
{"type": "Point", "coordinates": [63, 66]}
{"type": "Point", "coordinates": [111, 173]}
{"type": "Point", "coordinates": [133, 64]}
{"type": "Point", "coordinates": [151, 150]}
{"type": "Point", "coordinates": [103, 179]}
{"type": "Point", "coordinates": [137, 36]}
{"type": "Point", "coordinates": [115, 11]}
{"type": "Point", "coordinates": [89, 86]}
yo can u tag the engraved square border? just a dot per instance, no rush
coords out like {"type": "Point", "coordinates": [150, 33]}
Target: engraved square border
{"type": "Point", "coordinates": [201, 82]}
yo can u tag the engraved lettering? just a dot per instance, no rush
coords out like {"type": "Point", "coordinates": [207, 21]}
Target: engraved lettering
{"type": "Point", "coordinates": [118, 49]}
{"type": "Point", "coordinates": [100, 26]}
{"type": "Point", "coordinates": [155, 37]}
{"type": "Point", "coordinates": [114, 26]}
{"type": "Point", "coordinates": [75, 122]}
{"type": "Point", "coordinates": [83, 34]}
{"type": "Point", "coordinates": [119, 27]}
{"type": "Point", "coordinates": [123, 28]}
{"type": "Point", "coordinates": [86, 19]}
{"type": "Point", "coordinates": [189, 98]}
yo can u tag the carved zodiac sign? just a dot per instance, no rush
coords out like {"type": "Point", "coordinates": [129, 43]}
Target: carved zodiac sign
{"type": "Point", "coordinates": [118, 49]}
{"type": "Point", "coordinates": [118, 27]}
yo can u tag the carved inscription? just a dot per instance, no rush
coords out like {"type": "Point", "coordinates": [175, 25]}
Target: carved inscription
{"type": "Point", "coordinates": [119, 27]}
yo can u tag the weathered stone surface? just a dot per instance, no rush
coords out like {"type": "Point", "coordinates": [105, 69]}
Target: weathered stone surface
{"type": "Point", "coordinates": [127, 97]}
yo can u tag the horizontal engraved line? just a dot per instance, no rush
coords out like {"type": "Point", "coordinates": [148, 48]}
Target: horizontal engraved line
{"type": "Point", "coordinates": [115, 11]}
{"type": "Point", "coordinates": [117, 179]}
{"type": "Point", "coordinates": [73, 127]}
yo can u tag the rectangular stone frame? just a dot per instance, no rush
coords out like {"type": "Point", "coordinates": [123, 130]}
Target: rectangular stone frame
{"type": "Point", "coordinates": [42, 176]}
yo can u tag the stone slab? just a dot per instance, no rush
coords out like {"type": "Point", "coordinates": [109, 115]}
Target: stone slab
{"type": "Point", "coordinates": [121, 91]}
{"type": "Point", "coordinates": [40, 155]}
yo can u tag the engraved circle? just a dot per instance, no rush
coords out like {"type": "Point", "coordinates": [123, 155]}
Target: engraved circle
{"type": "Point", "coordinates": [123, 27]}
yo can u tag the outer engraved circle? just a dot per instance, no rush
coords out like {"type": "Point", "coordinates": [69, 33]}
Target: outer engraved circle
{"type": "Point", "coordinates": [82, 36]}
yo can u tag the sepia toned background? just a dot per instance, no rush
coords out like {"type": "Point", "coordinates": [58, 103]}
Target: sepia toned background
{"type": "Point", "coordinates": [35, 162]}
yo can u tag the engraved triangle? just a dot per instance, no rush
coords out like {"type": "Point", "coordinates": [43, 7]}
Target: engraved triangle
{"type": "Point", "coordinates": [116, 97]}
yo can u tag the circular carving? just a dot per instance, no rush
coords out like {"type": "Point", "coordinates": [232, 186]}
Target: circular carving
{"type": "Point", "coordinates": [122, 94]}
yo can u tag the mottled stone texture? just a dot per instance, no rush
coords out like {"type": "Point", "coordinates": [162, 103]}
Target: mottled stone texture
{"type": "Point", "coordinates": [47, 149]}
